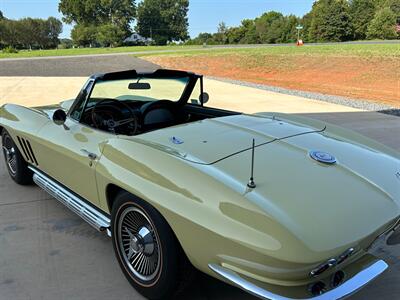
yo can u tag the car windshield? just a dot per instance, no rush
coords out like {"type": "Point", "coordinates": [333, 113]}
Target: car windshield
{"type": "Point", "coordinates": [140, 89]}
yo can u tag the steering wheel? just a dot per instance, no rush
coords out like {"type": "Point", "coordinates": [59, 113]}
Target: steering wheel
{"type": "Point", "coordinates": [158, 119]}
{"type": "Point", "coordinates": [110, 114]}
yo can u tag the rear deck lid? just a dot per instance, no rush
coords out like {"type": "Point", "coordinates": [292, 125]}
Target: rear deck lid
{"type": "Point", "coordinates": [211, 140]}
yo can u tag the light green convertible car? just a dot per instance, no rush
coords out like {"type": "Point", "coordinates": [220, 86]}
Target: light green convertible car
{"type": "Point", "coordinates": [281, 206]}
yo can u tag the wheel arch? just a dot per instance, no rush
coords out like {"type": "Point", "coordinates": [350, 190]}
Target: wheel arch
{"type": "Point", "coordinates": [112, 190]}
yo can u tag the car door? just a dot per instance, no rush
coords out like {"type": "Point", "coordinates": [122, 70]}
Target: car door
{"type": "Point", "coordinates": [69, 152]}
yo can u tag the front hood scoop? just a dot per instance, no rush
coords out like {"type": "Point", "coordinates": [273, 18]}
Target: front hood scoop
{"type": "Point", "coordinates": [212, 140]}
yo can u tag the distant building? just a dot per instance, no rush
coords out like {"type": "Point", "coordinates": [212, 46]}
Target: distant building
{"type": "Point", "coordinates": [136, 38]}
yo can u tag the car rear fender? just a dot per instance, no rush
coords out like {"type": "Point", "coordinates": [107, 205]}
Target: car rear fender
{"type": "Point", "coordinates": [334, 131]}
{"type": "Point", "coordinates": [196, 206]}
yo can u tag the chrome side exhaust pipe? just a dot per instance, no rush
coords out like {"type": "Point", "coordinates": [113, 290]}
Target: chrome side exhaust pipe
{"type": "Point", "coordinates": [91, 215]}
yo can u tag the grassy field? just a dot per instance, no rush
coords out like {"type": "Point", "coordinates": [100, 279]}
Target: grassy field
{"type": "Point", "coordinates": [89, 51]}
{"type": "Point", "coordinates": [334, 49]}
{"type": "Point", "coordinates": [357, 71]}
{"type": "Point", "coordinates": [363, 50]}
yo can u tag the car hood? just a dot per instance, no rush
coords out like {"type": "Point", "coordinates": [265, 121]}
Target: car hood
{"type": "Point", "coordinates": [325, 206]}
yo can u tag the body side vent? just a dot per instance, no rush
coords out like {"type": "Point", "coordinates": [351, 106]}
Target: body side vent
{"type": "Point", "coordinates": [27, 150]}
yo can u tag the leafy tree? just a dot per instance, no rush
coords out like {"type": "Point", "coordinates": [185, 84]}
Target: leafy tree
{"type": "Point", "coordinates": [54, 27]}
{"type": "Point", "coordinates": [202, 38]}
{"type": "Point", "coordinates": [394, 5]}
{"type": "Point", "coordinates": [251, 36]}
{"type": "Point", "coordinates": [163, 20]}
{"type": "Point", "coordinates": [288, 30]}
{"type": "Point", "coordinates": [306, 23]}
{"type": "Point", "coordinates": [66, 43]}
{"type": "Point", "coordinates": [10, 33]}
{"type": "Point", "coordinates": [221, 36]}
{"type": "Point", "coordinates": [1, 15]}
{"type": "Point", "coordinates": [85, 12]}
{"type": "Point", "coordinates": [274, 32]}
{"type": "Point", "coordinates": [235, 35]}
{"type": "Point", "coordinates": [264, 29]}
{"type": "Point", "coordinates": [331, 21]}
{"type": "Point", "coordinates": [362, 12]}
{"type": "Point", "coordinates": [84, 35]}
{"type": "Point", "coordinates": [30, 33]}
{"type": "Point", "coordinates": [383, 25]}
{"type": "Point", "coordinates": [110, 35]}
{"type": "Point", "coordinates": [28, 38]}
{"type": "Point", "coordinates": [89, 13]}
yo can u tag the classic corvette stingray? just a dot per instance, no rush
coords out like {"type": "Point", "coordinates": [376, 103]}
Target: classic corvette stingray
{"type": "Point", "coordinates": [281, 206]}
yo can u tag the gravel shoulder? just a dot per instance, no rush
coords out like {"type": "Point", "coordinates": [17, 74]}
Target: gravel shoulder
{"type": "Point", "coordinates": [354, 103]}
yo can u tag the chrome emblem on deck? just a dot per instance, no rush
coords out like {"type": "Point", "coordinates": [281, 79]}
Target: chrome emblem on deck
{"type": "Point", "coordinates": [175, 140]}
{"type": "Point", "coordinates": [322, 157]}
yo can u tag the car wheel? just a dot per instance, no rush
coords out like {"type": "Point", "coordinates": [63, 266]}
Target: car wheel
{"type": "Point", "coordinates": [16, 165]}
{"type": "Point", "coordinates": [147, 249]}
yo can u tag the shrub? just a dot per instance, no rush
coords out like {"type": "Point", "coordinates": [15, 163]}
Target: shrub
{"type": "Point", "coordinates": [10, 49]}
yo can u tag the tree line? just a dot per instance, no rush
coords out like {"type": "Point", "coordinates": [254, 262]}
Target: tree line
{"type": "Point", "coordinates": [108, 23]}
{"type": "Point", "coordinates": [328, 21]}
{"type": "Point", "coordinates": [105, 23]}
{"type": "Point", "coordinates": [29, 33]}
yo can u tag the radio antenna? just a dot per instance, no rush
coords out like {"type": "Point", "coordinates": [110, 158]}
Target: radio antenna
{"type": "Point", "coordinates": [251, 184]}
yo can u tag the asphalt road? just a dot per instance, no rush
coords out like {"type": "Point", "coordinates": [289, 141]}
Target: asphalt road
{"type": "Point", "coordinates": [72, 66]}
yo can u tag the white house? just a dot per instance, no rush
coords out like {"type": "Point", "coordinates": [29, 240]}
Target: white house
{"type": "Point", "coordinates": [136, 38]}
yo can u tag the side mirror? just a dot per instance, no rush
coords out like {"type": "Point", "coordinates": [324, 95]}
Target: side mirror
{"type": "Point", "coordinates": [59, 117]}
{"type": "Point", "coordinates": [203, 98]}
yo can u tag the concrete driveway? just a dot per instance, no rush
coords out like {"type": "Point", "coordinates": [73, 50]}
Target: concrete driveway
{"type": "Point", "coordinates": [46, 252]}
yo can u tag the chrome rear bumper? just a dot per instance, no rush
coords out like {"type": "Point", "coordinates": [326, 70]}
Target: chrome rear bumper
{"type": "Point", "coordinates": [346, 289]}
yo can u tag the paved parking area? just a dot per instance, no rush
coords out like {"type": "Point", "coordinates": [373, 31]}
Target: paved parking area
{"type": "Point", "coordinates": [46, 252]}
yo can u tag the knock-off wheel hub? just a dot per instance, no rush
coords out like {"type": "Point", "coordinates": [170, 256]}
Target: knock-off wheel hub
{"type": "Point", "coordinates": [139, 244]}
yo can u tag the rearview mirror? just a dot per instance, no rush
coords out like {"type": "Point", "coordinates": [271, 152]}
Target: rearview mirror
{"type": "Point", "coordinates": [139, 86]}
{"type": "Point", "coordinates": [59, 117]}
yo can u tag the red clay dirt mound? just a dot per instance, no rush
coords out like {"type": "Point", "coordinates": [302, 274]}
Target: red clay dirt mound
{"type": "Point", "coordinates": [373, 78]}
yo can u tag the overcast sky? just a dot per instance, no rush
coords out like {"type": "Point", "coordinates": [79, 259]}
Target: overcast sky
{"type": "Point", "coordinates": [204, 15]}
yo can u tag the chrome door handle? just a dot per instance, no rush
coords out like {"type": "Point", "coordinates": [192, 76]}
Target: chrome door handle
{"type": "Point", "coordinates": [91, 155]}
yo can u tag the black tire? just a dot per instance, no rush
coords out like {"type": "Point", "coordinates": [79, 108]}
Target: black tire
{"type": "Point", "coordinates": [18, 170]}
{"type": "Point", "coordinates": [174, 271]}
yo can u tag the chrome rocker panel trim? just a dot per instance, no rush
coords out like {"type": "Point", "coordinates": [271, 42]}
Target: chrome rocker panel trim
{"type": "Point", "coordinates": [92, 216]}
{"type": "Point", "coordinates": [346, 289]}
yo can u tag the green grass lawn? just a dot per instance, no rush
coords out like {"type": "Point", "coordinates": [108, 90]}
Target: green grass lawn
{"type": "Point", "coordinates": [88, 51]}
{"type": "Point", "coordinates": [386, 50]}
{"type": "Point", "coordinates": [360, 50]}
